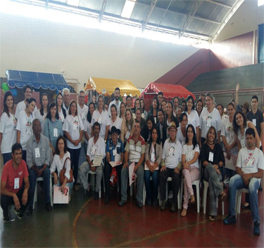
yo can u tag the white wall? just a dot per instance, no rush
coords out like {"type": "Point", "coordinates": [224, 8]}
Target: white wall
{"type": "Point", "coordinates": [40, 45]}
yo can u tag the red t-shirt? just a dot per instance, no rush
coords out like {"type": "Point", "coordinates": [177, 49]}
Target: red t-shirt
{"type": "Point", "coordinates": [9, 174]}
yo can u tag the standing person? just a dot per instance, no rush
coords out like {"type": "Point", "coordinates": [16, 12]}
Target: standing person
{"type": "Point", "coordinates": [181, 130]}
{"type": "Point", "coordinates": [220, 109]}
{"type": "Point", "coordinates": [134, 153]}
{"type": "Point", "coordinates": [199, 107]}
{"type": "Point", "coordinates": [192, 115]}
{"type": "Point", "coordinates": [15, 184]}
{"type": "Point", "coordinates": [140, 118]}
{"type": "Point", "coordinates": [94, 100]}
{"type": "Point", "coordinates": [129, 102]}
{"type": "Point", "coordinates": [127, 128]}
{"type": "Point", "coordinates": [202, 98]}
{"type": "Point", "coordinates": [175, 105]}
{"type": "Point", "coordinates": [170, 117]}
{"type": "Point", "coordinates": [142, 106]}
{"type": "Point", "coordinates": [100, 115]}
{"type": "Point", "coordinates": [24, 125]}
{"type": "Point", "coordinates": [82, 108]}
{"type": "Point", "coordinates": [160, 97]}
{"type": "Point", "coordinates": [164, 106]}
{"type": "Point", "coordinates": [154, 109]}
{"type": "Point", "coordinates": [153, 156]}
{"type": "Point", "coordinates": [162, 126]}
{"type": "Point", "coordinates": [23, 104]}
{"type": "Point", "coordinates": [212, 158]}
{"type": "Point", "coordinates": [122, 114]}
{"type": "Point", "coordinates": [245, 108]}
{"type": "Point", "coordinates": [146, 131]}
{"type": "Point", "coordinates": [170, 167]}
{"type": "Point", "coordinates": [183, 105]}
{"type": "Point", "coordinates": [38, 159]}
{"type": "Point", "coordinates": [256, 117]}
{"type": "Point", "coordinates": [73, 130]}
{"type": "Point", "coordinates": [230, 143]}
{"type": "Point", "coordinates": [88, 126]}
{"type": "Point", "coordinates": [114, 153]}
{"type": "Point", "coordinates": [250, 166]}
{"type": "Point", "coordinates": [61, 111]}
{"type": "Point", "coordinates": [179, 112]}
{"type": "Point", "coordinates": [115, 102]}
{"type": "Point", "coordinates": [53, 126]}
{"type": "Point", "coordinates": [66, 99]}
{"type": "Point", "coordinates": [115, 120]}
{"type": "Point", "coordinates": [136, 106]}
{"type": "Point", "coordinates": [190, 163]}
{"type": "Point", "coordinates": [42, 112]}
{"type": "Point", "coordinates": [7, 127]}
{"type": "Point", "coordinates": [210, 117]}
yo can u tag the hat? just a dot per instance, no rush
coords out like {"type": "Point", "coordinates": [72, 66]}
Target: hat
{"type": "Point", "coordinates": [172, 124]}
{"type": "Point", "coordinates": [114, 130]}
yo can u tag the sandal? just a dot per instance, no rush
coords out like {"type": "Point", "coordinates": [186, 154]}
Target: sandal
{"type": "Point", "coordinates": [192, 199]}
{"type": "Point", "coordinates": [184, 212]}
{"type": "Point", "coordinates": [211, 217]}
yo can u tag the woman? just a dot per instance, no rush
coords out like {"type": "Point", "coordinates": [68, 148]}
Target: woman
{"type": "Point", "coordinates": [57, 164]}
{"type": "Point", "coordinates": [146, 131]}
{"type": "Point", "coordinates": [192, 115]}
{"type": "Point", "coordinates": [154, 109]}
{"type": "Point", "coordinates": [24, 125]}
{"type": "Point", "coordinates": [136, 105]}
{"type": "Point", "coordinates": [162, 126]}
{"type": "Point", "coordinates": [170, 117]}
{"type": "Point", "coordinates": [100, 115]}
{"type": "Point", "coordinates": [73, 130]}
{"type": "Point", "coordinates": [212, 159]}
{"type": "Point", "coordinates": [88, 126]}
{"type": "Point", "coordinates": [191, 172]}
{"type": "Point", "coordinates": [140, 118]}
{"type": "Point", "coordinates": [153, 157]}
{"type": "Point", "coordinates": [210, 117]}
{"type": "Point", "coordinates": [122, 114]}
{"type": "Point", "coordinates": [181, 131]}
{"type": "Point", "coordinates": [164, 106]}
{"type": "Point", "coordinates": [230, 143]}
{"type": "Point", "coordinates": [42, 112]}
{"type": "Point", "coordinates": [127, 128]}
{"type": "Point", "coordinates": [142, 106]}
{"type": "Point", "coordinates": [7, 127]}
{"type": "Point", "coordinates": [199, 107]}
{"type": "Point", "coordinates": [115, 120]}
{"type": "Point", "coordinates": [61, 111]}
{"type": "Point", "coordinates": [53, 126]}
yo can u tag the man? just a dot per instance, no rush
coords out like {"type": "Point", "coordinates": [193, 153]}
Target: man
{"type": "Point", "coordinates": [114, 153]}
{"type": "Point", "coordinates": [116, 102]}
{"type": "Point", "coordinates": [202, 97]}
{"type": "Point", "coordinates": [129, 102]}
{"type": "Point", "coordinates": [160, 97]}
{"type": "Point", "coordinates": [171, 165]}
{"type": "Point", "coordinates": [175, 105]}
{"type": "Point", "coordinates": [38, 158]}
{"type": "Point", "coordinates": [140, 118]}
{"type": "Point", "coordinates": [15, 184]}
{"type": "Point", "coordinates": [96, 146]}
{"type": "Point", "coordinates": [179, 112]}
{"type": "Point", "coordinates": [134, 152]}
{"type": "Point", "coordinates": [23, 104]}
{"type": "Point", "coordinates": [82, 108]}
{"type": "Point", "coordinates": [66, 99]}
{"type": "Point", "coordinates": [249, 169]}
{"type": "Point", "coordinates": [183, 105]}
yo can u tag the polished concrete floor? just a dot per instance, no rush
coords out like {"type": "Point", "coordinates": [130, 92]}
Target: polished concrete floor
{"type": "Point", "coordinates": [89, 223]}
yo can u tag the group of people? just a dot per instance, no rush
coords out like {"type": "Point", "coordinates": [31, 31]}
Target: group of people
{"type": "Point", "coordinates": [186, 142]}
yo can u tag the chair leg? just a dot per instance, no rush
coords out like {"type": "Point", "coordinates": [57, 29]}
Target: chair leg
{"type": "Point", "coordinates": [35, 194]}
{"type": "Point", "coordinates": [223, 208]}
{"type": "Point", "coordinates": [51, 198]}
{"type": "Point", "coordinates": [239, 198]}
{"type": "Point", "coordinates": [131, 190]}
{"type": "Point", "coordinates": [205, 197]}
{"type": "Point", "coordinates": [198, 197]}
{"type": "Point", "coordinates": [144, 193]}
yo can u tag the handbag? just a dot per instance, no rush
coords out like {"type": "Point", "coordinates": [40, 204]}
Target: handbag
{"type": "Point", "coordinates": [62, 173]}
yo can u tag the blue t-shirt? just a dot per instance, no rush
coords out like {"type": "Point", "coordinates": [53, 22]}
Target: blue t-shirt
{"type": "Point", "coordinates": [110, 147]}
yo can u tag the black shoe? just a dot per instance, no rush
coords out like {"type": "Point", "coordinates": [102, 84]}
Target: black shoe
{"type": "Point", "coordinates": [7, 219]}
{"type": "Point", "coordinates": [173, 207]}
{"type": "Point", "coordinates": [163, 205]}
{"type": "Point", "coordinates": [86, 194]}
{"type": "Point", "coordinates": [256, 228]}
{"type": "Point", "coordinates": [96, 196]}
{"type": "Point", "coordinates": [148, 202]}
{"type": "Point", "coordinates": [106, 200]}
{"type": "Point", "coordinates": [260, 188]}
{"type": "Point", "coordinates": [155, 203]}
{"type": "Point", "coordinates": [139, 204]}
{"type": "Point", "coordinates": [230, 219]}
{"type": "Point", "coordinates": [48, 207]}
{"type": "Point", "coordinates": [19, 214]}
{"type": "Point", "coordinates": [122, 203]}
{"type": "Point", "coordinates": [245, 207]}
{"type": "Point", "coordinates": [29, 211]}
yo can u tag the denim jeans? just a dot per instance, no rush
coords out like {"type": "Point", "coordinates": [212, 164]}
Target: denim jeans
{"type": "Point", "coordinates": [75, 154]}
{"type": "Point", "coordinates": [152, 193]}
{"type": "Point", "coordinates": [6, 157]}
{"type": "Point", "coordinates": [236, 182]}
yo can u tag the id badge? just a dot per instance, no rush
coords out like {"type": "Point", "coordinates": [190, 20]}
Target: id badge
{"type": "Point", "coordinates": [75, 126]}
{"type": "Point", "coordinates": [118, 145]}
{"type": "Point", "coordinates": [254, 121]}
{"type": "Point", "coordinates": [82, 116]}
{"type": "Point", "coordinates": [211, 157]}
{"type": "Point", "coordinates": [171, 151]}
{"type": "Point", "coordinates": [28, 131]}
{"type": "Point", "coordinates": [100, 120]}
{"type": "Point", "coordinates": [55, 132]}
{"type": "Point", "coordinates": [16, 183]}
{"type": "Point", "coordinates": [250, 162]}
{"type": "Point", "coordinates": [93, 150]}
{"type": "Point", "coordinates": [37, 152]}
{"type": "Point", "coordinates": [127, 134]}
{"type": "Point", "coordinates": [208, 122]}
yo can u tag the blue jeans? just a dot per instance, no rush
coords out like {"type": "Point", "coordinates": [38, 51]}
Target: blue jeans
{"type": "Point", "coordinates": [6, 157]}
{"type": "Point", "coordinates": [152, 193]}
{"type": "Point", "coordinates": [46, 179]}
{"type": "Point", "coordinates": [236, 182]}
{"type": "Point", "coordinates": [70, 185]}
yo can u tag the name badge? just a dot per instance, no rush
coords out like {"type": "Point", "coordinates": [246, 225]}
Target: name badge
{"type": "Point", "coordinates": [250, 162]}
{"type": "Point", "coordinates": [127, 134]}
{"type": "Point", "coordinates": [28, 131]}
{"type": "Point", "coordinates": [75, 126]}
{"type": "Point", "coordinates": [138, 148]}
{"type": "Point", "coordinates": [16, 183]}
{"type": "Point", "coordinates": [118, 145]}
{"type": "Point", "coordinates": [208, 122]}
{"type": "Point", "coordinates": [82, 116]}
{"type": "Point", "coordinates": [254, 121]}
{"type": "Point", "coordinates": [100, 120]}
{"type": "Point", "coordinates": [211, 157]}
{"type": "Point", "coordinates": [37, 152]}
{"type": "Point", "coordinates": [93, 150]}
{"type": "Point", "coordinates": [171, 151]}
{"type": "Point", "coordinates": [55, 132]}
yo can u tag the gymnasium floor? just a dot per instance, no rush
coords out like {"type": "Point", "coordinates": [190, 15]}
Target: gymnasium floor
{"type": "Point", "coordinates": [89, 223]}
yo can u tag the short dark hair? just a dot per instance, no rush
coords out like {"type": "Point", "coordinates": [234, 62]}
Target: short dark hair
{"type": "Point", "coordinates": [219, 104]}
{"type": "Point", "coordinates": [15, 147]}
{"type": "Point", "coordinates": [136, 121]}
{"type": "Point", "coordinates": [128, 96]}
{"type": "Point", "coordinates": [254, 97]}
{"type": "Point", "coordinates": [57, 147]}
{"type": "Point", "coordinates": [187, 99]}
{"type": "Point", "coordinates": [81, 91]}
{"type": "Point", "coordinates": [113, 106]}
{"type": "Point", "coordinates": [175, 98]}
{"type": "Point", "coordinates": [160, 93]}
{"type": "Point", "coordinates": [30, 100]}
{"type": "Point", "coordinates": [28, 87]}
{"type": "Point", "coordinates": [231, 104]}
{"type": "Point", "coordinates": [117, 88]}
{"type": "Point", "coordinates": [250, 131]}
{"type": "Point", "coordinates": [96, 124]}
{"type": "Point", "coordinates": [182, 115]}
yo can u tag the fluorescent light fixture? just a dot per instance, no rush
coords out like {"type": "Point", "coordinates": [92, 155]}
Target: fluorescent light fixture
{"type": "Point", "coordinates": [260, 2]}
{"type": "Point", "coordinates": [73, 2]}
{"type": "Point", "coordinates": [128, 8]}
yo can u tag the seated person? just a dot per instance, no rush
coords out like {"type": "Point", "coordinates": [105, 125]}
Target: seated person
{"type": "Point", "coordinates": [114, 153]}
{"type": "Point", "coordinates": [59, 161]}
{"type": "Point", "coordinates": [96, 146]}
{"type": "Point", "coordinates": [38, 158]}
{"type": "Point", "coordinates": [171, 165]}
{"type": "Point", "coordinates": [15, 184]}
{"type": "Point", "coordinates": [249, 169]}
{"type": "Point", "coordinates": [134, 152]}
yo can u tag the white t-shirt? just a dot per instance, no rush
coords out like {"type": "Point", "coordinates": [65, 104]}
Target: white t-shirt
{"type": "Point", "coordinates": [24, 125]}
{"type": "Point", "coordinates": [179, 136]}
{"type": "Point", "coordinates": [8, 129]}
{"type": "Point", "coordinates": [57, 164]}
{"type": "Point", "coordinates": [61, 116]}
{"type": "Point", "coordinates": [250, 160]}
{"type": "Point", "coordinates": [189, 154]}
{"type": "Point", "coordinates": [172, 153]}
{"type": "Point", "coordinates": [88, 129]}
{"type": "Point", "coordinates": [82, 112]}
{"type": "Point", "coordinates": [228, 132]}
{"type": "Point", "coordinates": [117, 106]}
{"type": "Point", "coordinates": [117, 123]}
{"type": "Point", "coordinates": [193, 119]}
{"type": "Point", "coordinates": [41, 119]}
{"type": "Point", "coordinates": [97, 148]}
{"type": "Point", "coordinates": [103, 119]}
{"type": "Point", "coordinates": [22, 106]}
{"type": "Point", "coordinates": [73, 125]}
{"type": "Point", "coordinates": [210, 119]}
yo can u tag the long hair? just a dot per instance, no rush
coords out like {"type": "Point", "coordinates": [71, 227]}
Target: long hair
{"type": "Point", "coordinates": [73, 101]}
{"type": "Point", "coordinates": [57, 147]}
{"type": "Point", "coordinates": [164, 116]}
{"type": "Point", "coordinates": [120, 114]}
{"type": "Point", "coordinates": [30, 100]}
{"type": "Point", "coordinates": [89, 115]}
{"type": "Point", "coordinates": [5, 110]}
{"type": "Point", "coordinates": [131, 122]}
{"type": "Point", "coordinates": [63, 110]}
{"type": "Point", "coordinates": [41, 105]}
{"type": "Point", "coordinates": [151, 107]}
{"type": "Point", "coordinates": [236, 127]}
{"type": "Point", "coordinates": [189, 98]}
{"type": "Point", "coordinates": [194, 141]}
{"type": "Point", "coordinates": [52, 105]}
{"type": "Point", "coordinates": [212, 127]}
{"type": "Point", "coordinates": [150, 140]}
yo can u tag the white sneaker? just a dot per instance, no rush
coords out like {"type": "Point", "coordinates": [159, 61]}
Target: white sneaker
{"type": "Point", "coordinates": [170, 195]}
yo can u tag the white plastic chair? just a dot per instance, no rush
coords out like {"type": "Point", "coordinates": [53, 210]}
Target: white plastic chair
{"type": "Point", "coordinates": [93, 173]}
